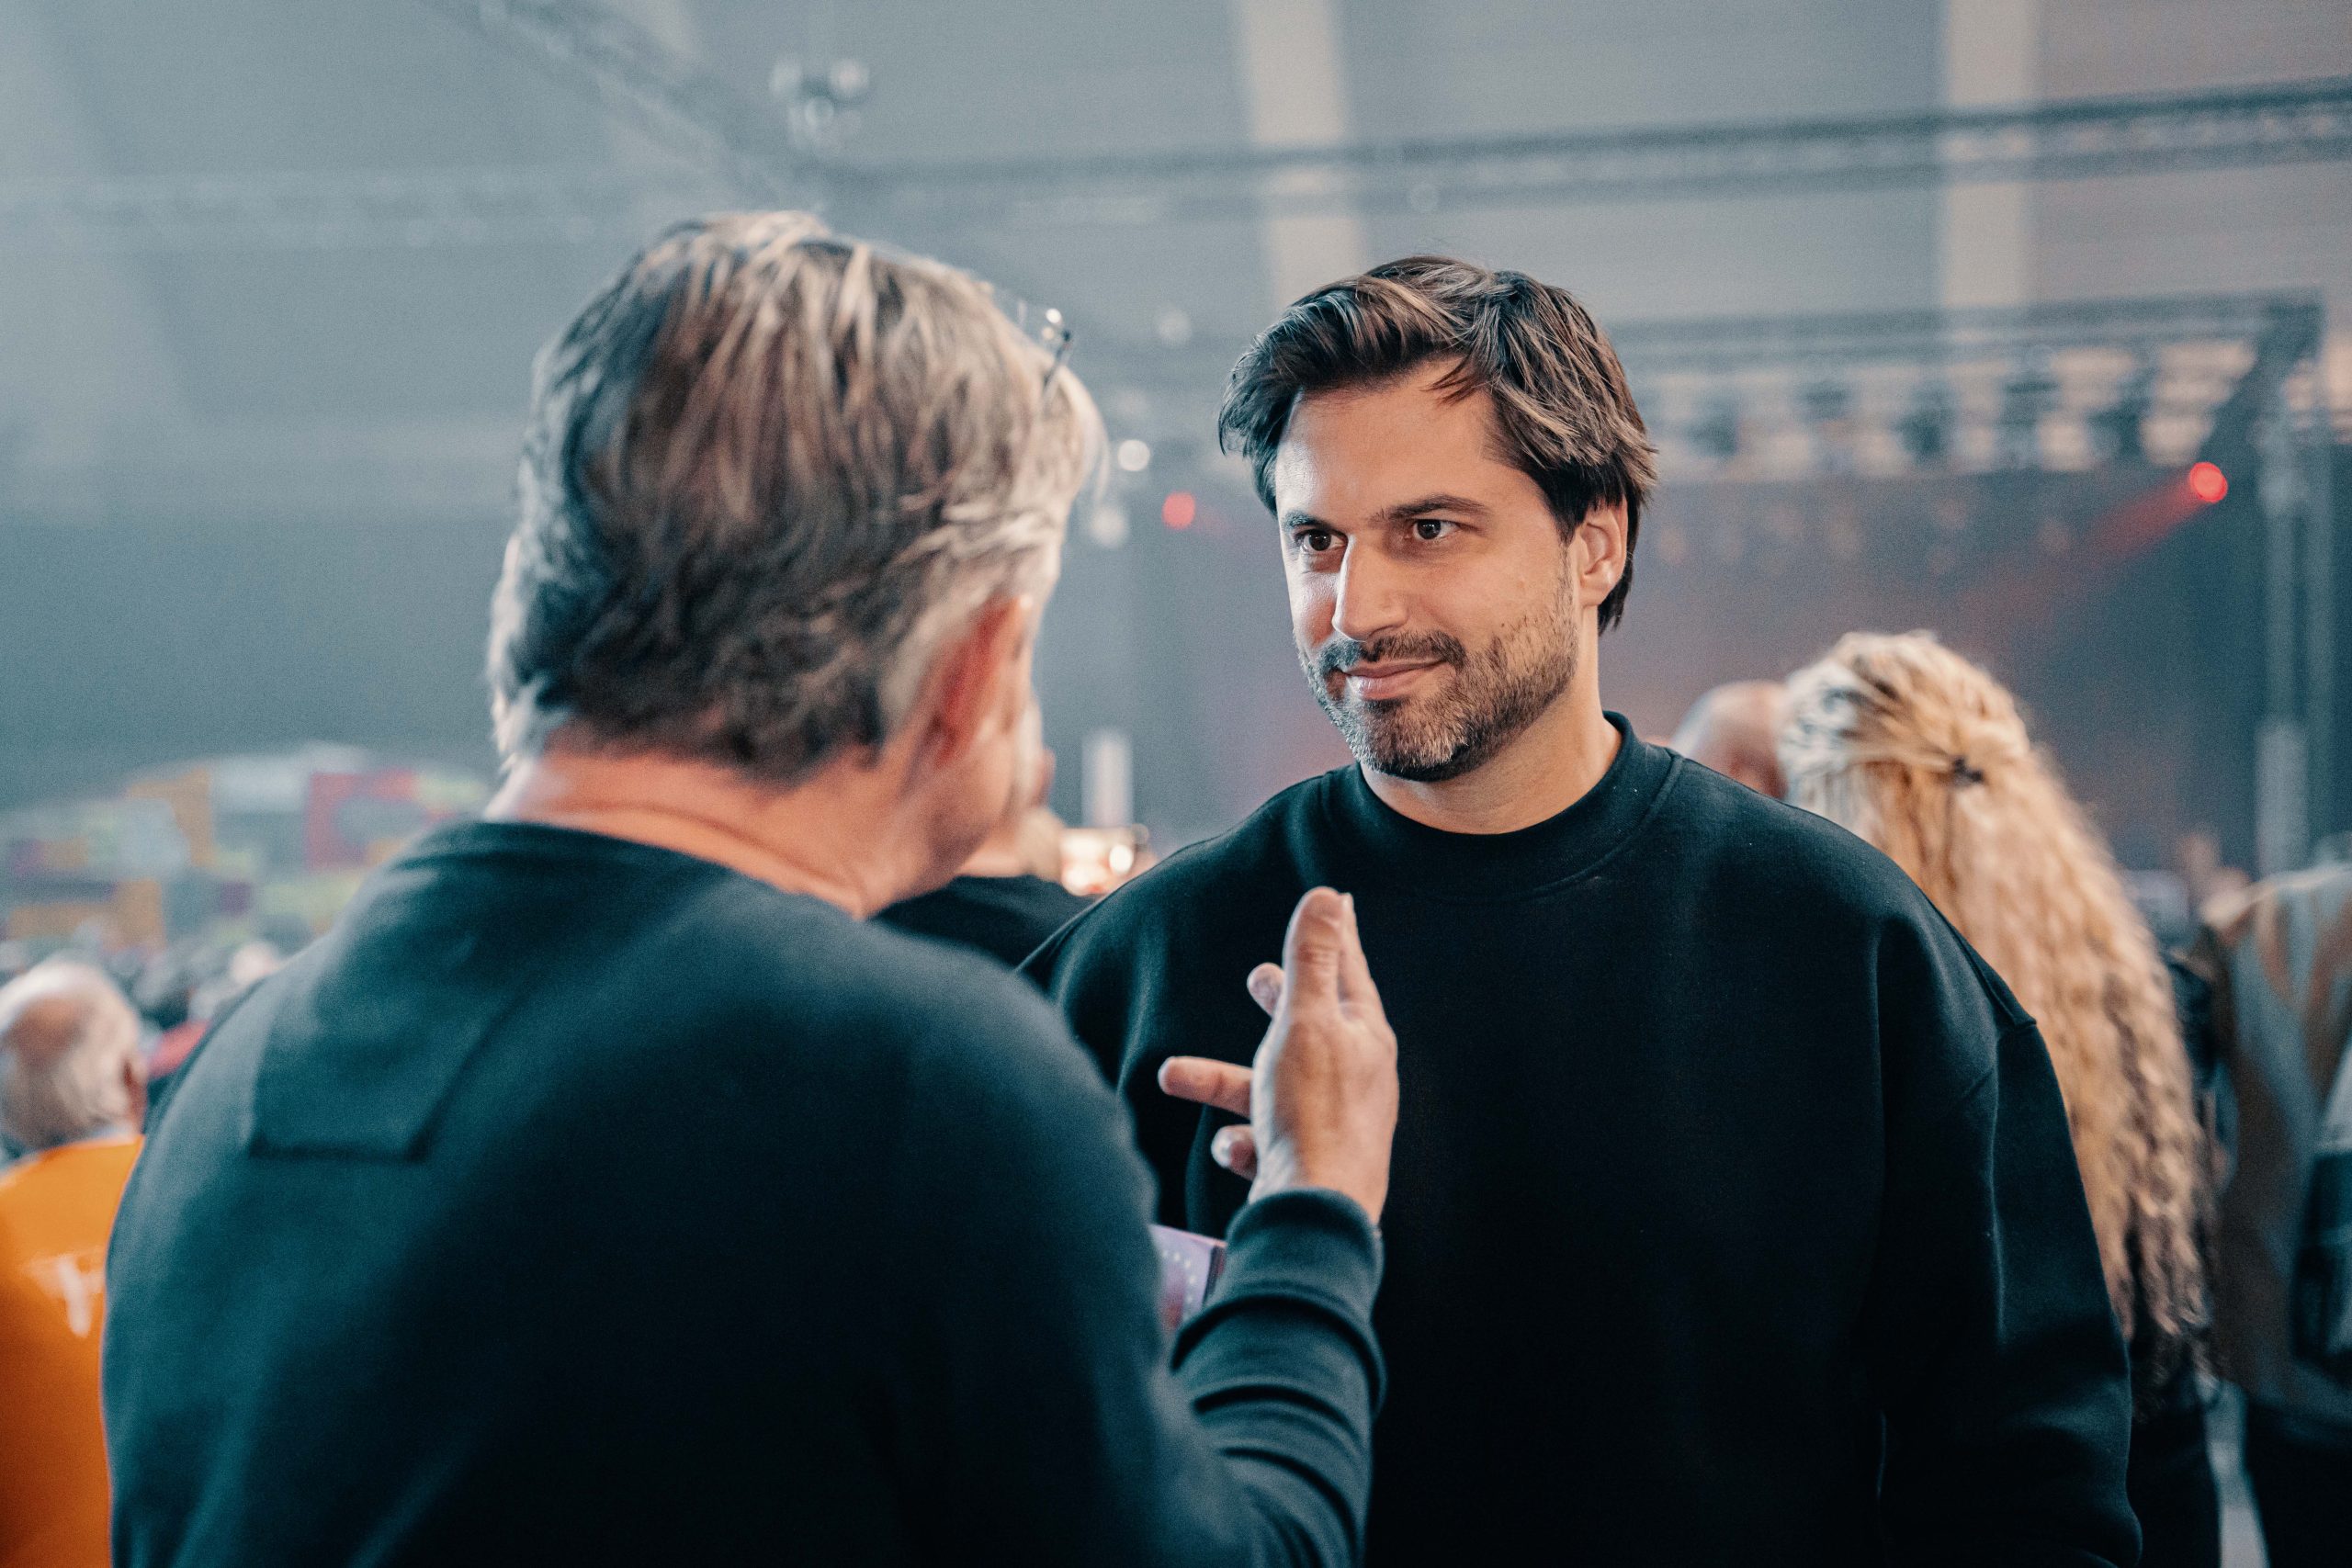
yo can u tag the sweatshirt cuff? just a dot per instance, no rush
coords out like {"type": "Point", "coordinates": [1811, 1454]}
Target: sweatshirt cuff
{"type": "Point", "coordinates": [1307, 1236]}
{"type": "Point", "coordinates": [1310, 1248]}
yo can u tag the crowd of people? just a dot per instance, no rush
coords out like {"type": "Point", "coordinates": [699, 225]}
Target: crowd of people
{"type": "Point", "coordinates": [1788, 1144]}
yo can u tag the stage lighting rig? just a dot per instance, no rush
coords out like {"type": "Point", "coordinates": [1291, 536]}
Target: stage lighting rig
{"type": "Point", "coordinates": [820, 101]}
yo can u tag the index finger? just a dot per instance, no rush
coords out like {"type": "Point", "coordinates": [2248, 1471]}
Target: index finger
{"type": "Point", "coordinates": [1221, 1084]}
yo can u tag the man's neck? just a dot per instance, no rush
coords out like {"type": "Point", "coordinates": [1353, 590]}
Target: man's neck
{"type": "Point", "coordinates": [817, 837]}
{"type": "Point", "coordinates": [1545, 769]}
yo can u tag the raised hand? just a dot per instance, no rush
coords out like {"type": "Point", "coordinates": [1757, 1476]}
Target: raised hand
{"type": "Point", "coordinates": [1321, 1096]}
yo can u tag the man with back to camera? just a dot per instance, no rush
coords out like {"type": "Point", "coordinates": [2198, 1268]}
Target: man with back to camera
{"type": "Point", "coordinates": [1734, 1217]}
{"type": "Point", "coordinates": [603, 1189]}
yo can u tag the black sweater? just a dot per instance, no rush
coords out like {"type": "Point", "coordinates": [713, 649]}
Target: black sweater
{"type": "Point", "coordinates": [1734, 1216]}
{"type": "Point", "coordinates": [578, 1202]}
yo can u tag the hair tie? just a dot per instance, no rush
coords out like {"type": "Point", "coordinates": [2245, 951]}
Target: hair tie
{"type": "Point", "coordinates": [1962, 773]}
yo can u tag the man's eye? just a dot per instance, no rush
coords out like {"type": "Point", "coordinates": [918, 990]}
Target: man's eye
{"type": "Point", "coordinates": [1428, 530]}
{"type": "Point", "coordinates": [1315, 541]}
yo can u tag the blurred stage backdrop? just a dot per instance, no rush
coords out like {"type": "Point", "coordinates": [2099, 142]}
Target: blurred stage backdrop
{"type": "Point", "coordinates": [2020, 321]}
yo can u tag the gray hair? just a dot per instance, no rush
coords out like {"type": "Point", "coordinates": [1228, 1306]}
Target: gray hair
{"type": "Point", "coordinates": [768, 474]}
{"type": "Point", "coordinates": [67, 1034]}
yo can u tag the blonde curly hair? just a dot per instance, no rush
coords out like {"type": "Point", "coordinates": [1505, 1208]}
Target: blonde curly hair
{"type": "Point", "coordinates": [1922, 753]}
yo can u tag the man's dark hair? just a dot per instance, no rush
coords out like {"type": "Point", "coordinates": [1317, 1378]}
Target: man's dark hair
{"type": "Point", "coordinates": [1561, 403]}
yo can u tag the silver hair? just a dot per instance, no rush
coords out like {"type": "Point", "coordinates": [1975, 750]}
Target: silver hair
{"type": "Point", "coordinates": [67, 1035]}
{"type": "Point", "coordinates": [769, 474]}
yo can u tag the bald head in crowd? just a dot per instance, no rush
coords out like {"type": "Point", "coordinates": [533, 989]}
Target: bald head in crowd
{"type": "Point", "coordinates": [1736, 729]}
{"type": "Point", "coordinates": [69, 1057]}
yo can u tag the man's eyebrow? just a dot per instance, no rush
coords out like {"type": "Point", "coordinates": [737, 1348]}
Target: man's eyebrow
{"type": "Point", "coordinates": [1405, 512]}
{"type": "Point", "coordinates": [1402, 511]}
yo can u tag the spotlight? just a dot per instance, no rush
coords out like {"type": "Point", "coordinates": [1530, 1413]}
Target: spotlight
{"type": "Point", "coordinates": [2121, 430]}
{"type": "Point", "coordinates": [2025, 398]}
{"type": "Point", "coordinates": [1828, 408]}
{"type": "Point", "coordinates": [1179, 509]}
{"type": "Point", "coordinates": [2207, 482]}
{"type": "Point", "coordinates": [1715, 434]}
{"type": "Point", "coordinates": [1926, 430]}
{"type": "Point", "coordinates": [1825, 402]}
{"type": "Point", "coordinates": [1134, 456]}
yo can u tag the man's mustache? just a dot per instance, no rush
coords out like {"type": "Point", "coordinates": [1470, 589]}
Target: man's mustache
{"type": "Point", "coordinates": [1343, 653]}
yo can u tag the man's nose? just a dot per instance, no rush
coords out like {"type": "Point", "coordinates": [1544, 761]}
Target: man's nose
{"type": "Point", "coordinates": [1371, 602]}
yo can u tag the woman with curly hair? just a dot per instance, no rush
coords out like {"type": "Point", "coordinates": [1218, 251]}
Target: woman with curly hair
{"type": "Point", "coordinates": [1925, 756]}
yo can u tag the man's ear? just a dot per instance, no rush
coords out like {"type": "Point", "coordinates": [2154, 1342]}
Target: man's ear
{"type": "Point", "coordinates": [1596, 552]}
{"type": "Point", "coordinates": [972, 680]}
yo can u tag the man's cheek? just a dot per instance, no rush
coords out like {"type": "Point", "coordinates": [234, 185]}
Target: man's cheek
{"type": "Point", "coordinates": [1310, 610]}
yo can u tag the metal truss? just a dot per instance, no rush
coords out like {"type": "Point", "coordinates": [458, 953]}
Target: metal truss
{"type": "Point", "coordinates": [327, 212]}
{"type": "Point", "coordinates": [2022, 357]}
{"type": "Point", "coordinates": [2285, 326]}
{"type": "Point", "coordinates": [741, 143]}
{"type": "Point", "coordinates": [2292, 122]}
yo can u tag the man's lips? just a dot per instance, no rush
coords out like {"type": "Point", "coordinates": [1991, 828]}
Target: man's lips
{"type": "Point", "coordinates": [1392, 678]}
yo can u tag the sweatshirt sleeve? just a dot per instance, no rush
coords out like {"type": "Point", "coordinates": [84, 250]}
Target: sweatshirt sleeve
{"type": "Point", "coordinates": [1056, 1429]}
{"type": "Point", "coordinates": [1995, 1355]}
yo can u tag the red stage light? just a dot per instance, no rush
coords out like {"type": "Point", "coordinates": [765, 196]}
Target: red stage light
{"type": "Point", "coordinates": [1177, 509]}
{"type": "Point", "coordinates": [2208, 483]}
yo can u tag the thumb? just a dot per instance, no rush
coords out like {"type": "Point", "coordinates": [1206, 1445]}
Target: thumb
{"type": "Point", "coordinates": [1312, 947]}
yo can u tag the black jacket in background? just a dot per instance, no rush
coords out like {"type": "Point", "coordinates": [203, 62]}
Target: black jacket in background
{"type": "Point", "coordinates": [1008, 918]}
{"type": "Point", "coordinates": [578, 1202]}
{"type": "Point", "coordinates": [1726, 1176]}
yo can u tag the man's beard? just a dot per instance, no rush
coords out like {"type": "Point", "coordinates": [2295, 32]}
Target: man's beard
{"type": "Point", "coordinates": [1493, 696]}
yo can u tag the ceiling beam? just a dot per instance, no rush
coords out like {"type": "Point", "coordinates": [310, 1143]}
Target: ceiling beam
{"type": "Point", "coordinates": [738, 144]}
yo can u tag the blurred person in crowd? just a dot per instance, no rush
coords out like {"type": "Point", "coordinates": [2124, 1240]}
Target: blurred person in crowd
{"type": "Point", "coordinates": [1736, 729]}
{"type": "Point", "coordinates": [1925, 756]}
{"type": "Point", "coordinates": [215, 983]}
{"type": "Point", "coordinates": [1734, 1217]}
{"type": "Point", "coordinates": [1009, 896]}
{"type": "Point", "coordinates": [2210, 879]}
{"type": "Point", "coordinates": [71, 1093]}
{"type": "Point", "coordinates": [604, 1187]}
{"type": "Point", "coordinates": [2279, 957]}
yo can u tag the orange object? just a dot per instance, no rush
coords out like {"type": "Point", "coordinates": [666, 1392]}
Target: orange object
{"type": "Point", "coordinates": [2207, 482]}
{"type": "Point", "coordinates": [56, 1209]}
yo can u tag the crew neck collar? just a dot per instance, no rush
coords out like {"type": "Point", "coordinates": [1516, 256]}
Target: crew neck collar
{"type": "Point", "coordinates": [1390, 849]}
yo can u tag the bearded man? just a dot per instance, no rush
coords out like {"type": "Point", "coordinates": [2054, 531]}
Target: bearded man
{"type": "Point", "coordinates": [1734, 1216]}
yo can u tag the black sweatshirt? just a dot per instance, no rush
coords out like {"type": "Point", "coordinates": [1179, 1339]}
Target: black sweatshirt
{"type": "Point", "coordinates": [1726, 1174]}
{"type": "Point", "coordinates": [575, 1201]}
